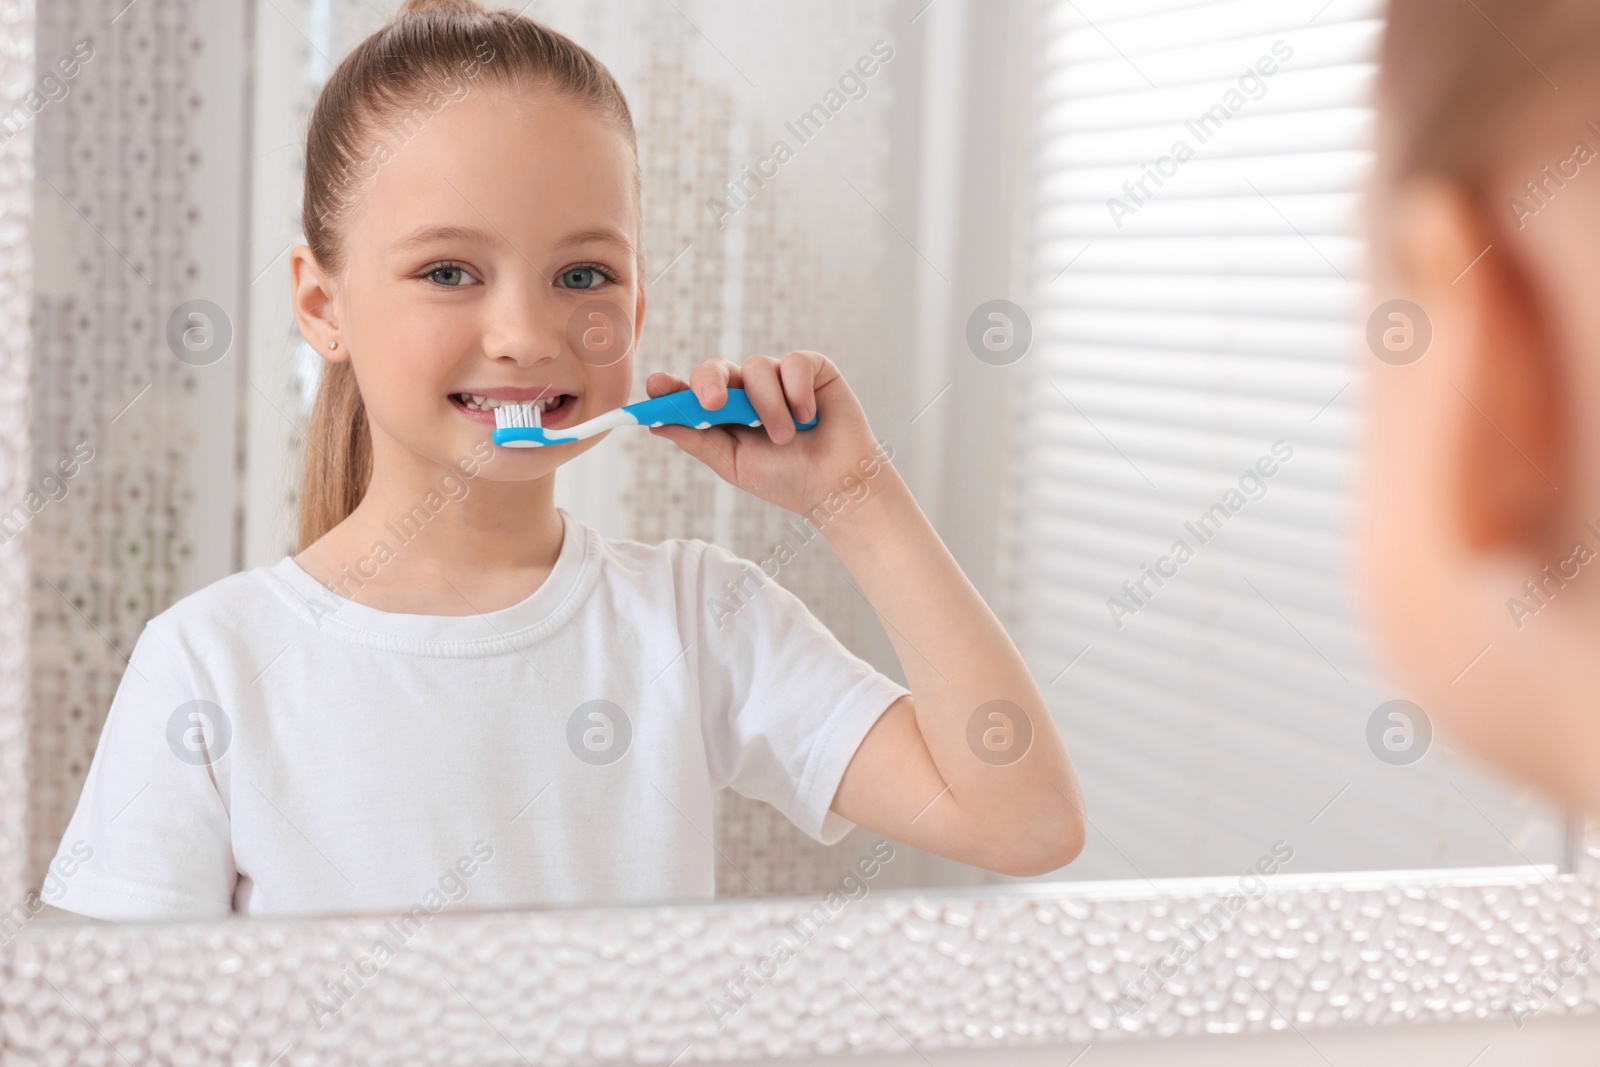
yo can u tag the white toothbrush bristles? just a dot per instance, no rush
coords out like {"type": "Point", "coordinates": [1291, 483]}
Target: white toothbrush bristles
{"type": "Point", "coordinates": [518, 415]}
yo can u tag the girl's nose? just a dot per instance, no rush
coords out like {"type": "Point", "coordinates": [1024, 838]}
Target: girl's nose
{"type": "Point", "coordinates": [524, 328]}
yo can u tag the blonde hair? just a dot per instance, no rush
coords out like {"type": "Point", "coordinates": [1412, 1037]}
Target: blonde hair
{"type": "Point", "coordinates": [1456, 79]}
{"type": "Point", "coordinates": [381, 83]}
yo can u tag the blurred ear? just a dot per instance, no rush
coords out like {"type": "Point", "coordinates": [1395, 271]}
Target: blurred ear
{"type": "Point", "coordinates": [312, 300]}
{"type": "Point", "coordinates": [1500, 390]}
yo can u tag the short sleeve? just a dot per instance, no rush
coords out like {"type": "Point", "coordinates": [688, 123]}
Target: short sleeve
{"type": "Point", "coordinates": [149, 838]}
{"type": "Point", "coordinates": [786, 704]}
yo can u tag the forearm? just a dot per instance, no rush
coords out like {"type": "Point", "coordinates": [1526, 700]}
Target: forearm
{"type": "Point", "coordinates": [1010, 792]}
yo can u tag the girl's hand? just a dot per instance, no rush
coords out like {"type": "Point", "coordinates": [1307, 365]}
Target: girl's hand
{"type": "Point", "coordinates": [793, 469]}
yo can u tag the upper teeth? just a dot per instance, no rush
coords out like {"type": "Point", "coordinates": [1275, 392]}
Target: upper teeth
{"type": "Point", "coordinates": [489, 403]}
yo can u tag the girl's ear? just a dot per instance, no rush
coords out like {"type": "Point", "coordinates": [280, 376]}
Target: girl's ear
{"type": "Point", "coordinates": [1496, 382]}
{"type": "Point", "coordinates": [314, 306]}
{"type": "Point", "coordinates": [1467, 534]}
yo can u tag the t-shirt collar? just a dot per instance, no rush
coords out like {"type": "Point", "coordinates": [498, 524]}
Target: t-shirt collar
{"type": "Point", "coordinates": [480, 631]}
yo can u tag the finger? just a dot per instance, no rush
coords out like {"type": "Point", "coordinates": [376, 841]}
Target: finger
{"type": "Point", "coordinates": [713, 446]}
{"type": "Point", "coordinates": [798, 373]}
{"type": "Point", "coordinates": [711, 381]}
{"type": "Point", "coordinates": [765, 391]}
{"type": "Point", "coordinates": [662, 382]}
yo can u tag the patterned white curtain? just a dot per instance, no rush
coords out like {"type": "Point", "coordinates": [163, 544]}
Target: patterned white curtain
{"type": "Point", "coordinates": [16, 268]}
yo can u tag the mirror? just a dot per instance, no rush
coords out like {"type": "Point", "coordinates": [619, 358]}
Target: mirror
{"type": "Point", "coordinates": [1096, 277]}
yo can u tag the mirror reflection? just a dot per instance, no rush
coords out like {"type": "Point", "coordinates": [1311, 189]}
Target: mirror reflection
{"type": "Point", "coordinates": [628, 452]}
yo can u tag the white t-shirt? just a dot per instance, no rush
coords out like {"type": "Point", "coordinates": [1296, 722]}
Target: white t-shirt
{"type": "Point", "coordinates": [346, 759]}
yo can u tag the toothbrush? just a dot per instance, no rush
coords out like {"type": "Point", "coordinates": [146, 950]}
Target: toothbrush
{"type": "Point", "coordinates": [518, 425]}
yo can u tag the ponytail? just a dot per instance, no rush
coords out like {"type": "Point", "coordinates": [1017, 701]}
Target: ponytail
{"type": "Point", "coordinates": [338, 457]}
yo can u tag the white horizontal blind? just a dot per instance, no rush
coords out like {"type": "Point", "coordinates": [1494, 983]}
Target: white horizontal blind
{"type": "Point", "coordinates": [1196, 297]}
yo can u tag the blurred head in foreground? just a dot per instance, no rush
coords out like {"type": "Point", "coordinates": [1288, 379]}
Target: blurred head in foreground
{"type": "Point", "coordinates": [1483, 506]}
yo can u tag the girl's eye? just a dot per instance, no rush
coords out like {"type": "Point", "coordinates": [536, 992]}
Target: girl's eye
{"type": "Point", "coordinates": [584, 278]}
{"type": "Point", "coordinates": [450, 275]}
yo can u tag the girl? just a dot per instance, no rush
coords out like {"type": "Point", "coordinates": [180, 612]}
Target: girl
{"type": "Point", "coordinates": [1484, 511]}
{"type": "Point", "coordinates": [456, 690]}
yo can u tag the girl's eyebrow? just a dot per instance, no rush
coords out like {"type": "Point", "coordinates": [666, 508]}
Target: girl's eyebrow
{"type": "Point", "coordinates": [425, 235]}
{"type": "Point", "coordinates": [607, 235]}
{"type": "Point", "coordinates": [429, 234]}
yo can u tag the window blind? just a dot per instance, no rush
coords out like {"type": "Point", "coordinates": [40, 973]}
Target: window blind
{"type": "Point", "coordinates": [1196, 294]}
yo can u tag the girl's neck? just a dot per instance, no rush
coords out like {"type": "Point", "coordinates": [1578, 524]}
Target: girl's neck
{"type": "Point", "coordinates": [426, 541]}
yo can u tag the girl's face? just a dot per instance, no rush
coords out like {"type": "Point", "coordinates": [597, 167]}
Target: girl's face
{"type": "Point", "coordinates": [492, 257]}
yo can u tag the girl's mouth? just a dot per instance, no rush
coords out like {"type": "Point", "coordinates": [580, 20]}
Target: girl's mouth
{"type": "Point", "coordinates": [556, 408]}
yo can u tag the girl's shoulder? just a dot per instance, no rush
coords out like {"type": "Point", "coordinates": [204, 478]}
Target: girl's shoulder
{"type": "Point", "coordinates": [692, 570]}
{"type": "Point", "coordinates": [243, 602]}
{"type": "Point", "coordinates": [688, 560]}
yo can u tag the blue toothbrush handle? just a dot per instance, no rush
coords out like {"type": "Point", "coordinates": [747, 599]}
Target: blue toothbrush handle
{"type": "Point", "coordinates": [683, 409]}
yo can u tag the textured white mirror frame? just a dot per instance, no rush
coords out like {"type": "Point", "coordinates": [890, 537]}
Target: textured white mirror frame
{"type": "Point", "coordinates": [709, 982]}
{"type": "Point", "coordinates": [881, 973]}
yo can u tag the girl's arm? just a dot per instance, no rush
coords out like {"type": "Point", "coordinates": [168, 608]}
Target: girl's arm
{"type": "Point", "coordinates": [952, 769]}
{"type": "Point", "coordinates": [970, 766]}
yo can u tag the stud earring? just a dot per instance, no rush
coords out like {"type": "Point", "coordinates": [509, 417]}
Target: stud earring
{"type": "Point", "coordinates": [333, 344]}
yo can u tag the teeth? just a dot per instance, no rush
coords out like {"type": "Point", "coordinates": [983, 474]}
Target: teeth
{"type": "Point", "coordinates": [487, 403]}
